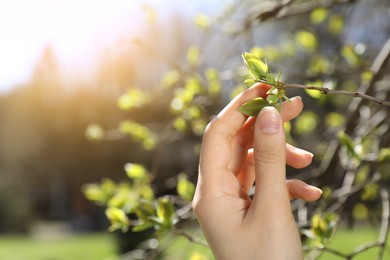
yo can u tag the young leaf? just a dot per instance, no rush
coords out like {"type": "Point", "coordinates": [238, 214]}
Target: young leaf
{"type": "Point", "coordinates": [272, 99]}
{"type": "Point", "coordinates": [254, 106]}
{"type": "Point", "coordinates": [256, 67]}
{"type": "Point", "coordinates": [135, 171]}
{"type": "Point", "coordinates": [384, 154]}
{"type": "Point", "coordinates": [249, 82]}
{"type": "Point", "coordinates": [142, 227]}
{"type": "Point", "coordinates": [193, 56]}
{"type": "Point", "coordinates": [270, 79]}
{"type": "Point", "coordinates": [307, 40]}
{"type": "Point", "coordinates": [348, 144]}
{"type": "Point", "coordinates": [185, 188]}
{"type": "Point", "coordinates": [202, 21]}
{"type": "Point", "coordinates": [117, 218]}
{"type": "Point", "coordinates": [165, 210]}
{"type": "Point", "coordinates": [318, 15]}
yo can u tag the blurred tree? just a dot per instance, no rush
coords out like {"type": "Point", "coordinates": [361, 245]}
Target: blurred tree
{"type": "Point", "coordinates": [321, 45]}
{"type": "Point", "coordinates": [183, 78]}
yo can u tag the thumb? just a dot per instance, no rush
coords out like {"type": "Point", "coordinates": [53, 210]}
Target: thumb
{"type": "Point", "coordinates": [271, 192]}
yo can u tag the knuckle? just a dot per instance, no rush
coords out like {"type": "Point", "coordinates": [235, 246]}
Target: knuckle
{"type": "Point", "coordinates": [197, 206]}
{"type": "Point", "coordinates": [210, 126]}
{"type": "Point", "coordinates": [267, 156]}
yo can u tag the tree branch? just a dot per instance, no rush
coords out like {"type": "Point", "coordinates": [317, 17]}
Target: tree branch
{"type": "Point", "coordinates": [385, 221]}
{"type": "Point", "coordinates": [273, 12]}
{"type": "Point", "coordinates": [285, 9]}
{"type": "Point", "coordinates": [326, 91]}
{"type": "Point", "coordinates": [377, 68]}
{"type": "Point", "coordinates": [307, 7]}
{"type": "Point", "coordinates": [189, 237]}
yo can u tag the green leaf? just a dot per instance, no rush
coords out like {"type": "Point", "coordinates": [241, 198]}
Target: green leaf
{"type": "Point", "coordinates": [100, 193]}
{"type": "Point", "coordinates": [272, 99]}
{"type": "Point", "coordinates": [306, 122]}
{"type": "Point", "coordinates": [185, 188]}
{"type": "Point", "coordinates": [336, 24]}
{"type": "Point", "coordinates": [249, 82]}
{"type": "Point", "coordinates": [165, 210]}
{"type": "Point", "coordinates": [314, 93]}
{"type": "Point", "coordinates": [270, 79]}
{"type": "Point", "coordinates": [214, 84]}
{"type": "Point", "coordinates": [318, 15]}
{"type": "Point", "coordinates": [193, 56]}
{"type": "Point", "coordinates": [192, 112]}
{"type": "Point", "coordinates": [384, 154]}
{"type": "Point", "coordinates": [349, 54]}
{"type": "Point", "coordinates": [257, 51]}
{"type": "Point", "coordinates": [137, 131]}
{"type": "Point", "coordinates": [146, 208]}
{"type": "Point", "coordinates": [170, 78]}
{"type": "Point", "coordinates": [198, 126]}
{"type": "Point", "coordinates": [202, 21]}
{"type": "Point", "coordinates": [198, 256]}
{"type": "Point", "coordinates": [360, 211]}
{"type": "Point", "coordinates": [254, 106]}
{"type": "Point", "coordinates": [126, 200]}
{"type": "Point", "coordinates": [306, 39]}
{"type": "Point", "coordinates": [370, 192]}
{"type": "Point", "coordinates": [323, 227]}
{"type": "Point", "coordinates": [319, 226]}
{"type": "Point", "coordinates": [347, 142]}
{"type": "Point", "coordinates": [133, 98]}
{"type": "Point", "coordinates": [146, 192]}
{"type": "Point", "coordinates": [117, 218]}
{"type": "Point", "coordinates": [135, 171]}
{"type": "Point", "coordinates": [256, 67]}
{"type": "Point", "coordinates": [180, 124]}
{"type": "Point", "coordinates": [367, 75]}
{"type": "Point", "coordinates": [142, 227]}
{"type": "Point", "coordinates": [334, 119]}
{"type": "Point", "coordinates": [94, 193]}
{"type": "Point", "coordinates": [149, 143]}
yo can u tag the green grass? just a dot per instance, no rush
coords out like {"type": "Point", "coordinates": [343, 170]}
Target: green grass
{"type": "Point", "coordinates": [175, 247]}
{"type": "Point", "coordinates": [86, 247]}
{"type": "Point", "coordinates": [103, 246]}
{"type": "Point", "coordinates": [344, 241]}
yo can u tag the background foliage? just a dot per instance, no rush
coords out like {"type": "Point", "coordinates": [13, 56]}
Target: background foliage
{"type": "Point", "coordinates": [318, 43]}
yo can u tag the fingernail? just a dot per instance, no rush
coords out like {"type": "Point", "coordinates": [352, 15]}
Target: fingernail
{"type": "Point", "coordinates": [269, 121]}
{"type": "Point", "coordinates": [303, 152]}
{"type": "Point", "coordinates": [315, 188]}
{"type": "Point", "coordinates": [296, 97]}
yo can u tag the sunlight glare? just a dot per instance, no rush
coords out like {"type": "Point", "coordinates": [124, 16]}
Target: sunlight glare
{"type": "Point", "coordinates": [75, 30]}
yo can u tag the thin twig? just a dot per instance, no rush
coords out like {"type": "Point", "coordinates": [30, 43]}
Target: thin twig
{"type": "Point", "coordinates": [326, 91]}
{"type": "Point", "coordinates": [377, 68]}
{"type": "Point", "coordinates": [385, 221]}
{"type": "Point", "coordinates": [285, 9]}
{"type": "Point", "coordinates": [307, 7]}
{"type": "Point", "coordinates": [273, 12]}
{"type": "Point", "coordinates": [189, 237]}
{"type": "Point", "coordinates": [323, 248]}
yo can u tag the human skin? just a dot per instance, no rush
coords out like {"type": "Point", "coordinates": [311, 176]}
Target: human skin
{"type": "Point", "coordinates": [235, 225]}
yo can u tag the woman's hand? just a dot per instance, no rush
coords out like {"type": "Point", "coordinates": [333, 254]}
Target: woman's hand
{"type": "Point", "coordinates": [236, 226]}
